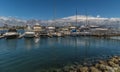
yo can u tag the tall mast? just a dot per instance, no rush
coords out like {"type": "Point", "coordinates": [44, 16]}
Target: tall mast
{"type": "Point", "coordinates": [54, 18]}
{"type": "Point", "coordinates": [86, 19]}
{"type": "Point", "coordinates": [76, 17]}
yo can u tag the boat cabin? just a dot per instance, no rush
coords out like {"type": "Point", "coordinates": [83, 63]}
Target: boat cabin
{"type": "Point", "coordinates": [51, 29]}
{"type": "Point", "coordinates": [37, 28]}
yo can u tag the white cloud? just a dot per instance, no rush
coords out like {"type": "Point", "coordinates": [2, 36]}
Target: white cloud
{"type": "Point", "coordinates": [98, 16]}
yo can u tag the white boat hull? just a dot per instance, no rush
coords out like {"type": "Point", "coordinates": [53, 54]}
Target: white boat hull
{"type": "Point", "coordinates": [11, 35]}
{"type": "Point", "coordinates": [29, 34]}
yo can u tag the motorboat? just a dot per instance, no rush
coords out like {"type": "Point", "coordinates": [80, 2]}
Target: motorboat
{"type": "Point", "coordinates": [12, 33]}
{"type": "Point", "coordinates": [29, 33]}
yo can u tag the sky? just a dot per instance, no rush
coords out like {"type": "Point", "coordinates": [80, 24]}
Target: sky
{"type": "Point", "coordinates": [53, 9]}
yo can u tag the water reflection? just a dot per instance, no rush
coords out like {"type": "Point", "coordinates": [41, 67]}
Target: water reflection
{"type": "Point", "coordinates": [37, 44]}
{"type": "Point", "coordinates": [36, 40]}
{"type": "Point", "coordinates": [28, 43]}
{"type": "Point", "coordinates": [11, 44]}
{"type": "Point", "coordinates": [46, 53]}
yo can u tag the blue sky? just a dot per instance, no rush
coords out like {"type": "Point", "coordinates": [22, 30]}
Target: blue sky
{"type": "Point", "coordinates": [44, 9]}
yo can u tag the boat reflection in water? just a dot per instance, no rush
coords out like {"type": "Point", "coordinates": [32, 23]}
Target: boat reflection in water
{"type": "Point", "coordinates": [36, 40]}
{"type": "Point", "coordinates": [37, 54]}
{"type": "Point", "coordinates": [11, 44]}
{"type": "Point", "coordinates": [29, 43]}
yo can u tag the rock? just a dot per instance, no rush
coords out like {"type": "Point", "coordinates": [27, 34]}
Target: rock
{"type": "Point", "coordinates": [78, 66]}
{"type": "Point", "coordinates": [73, 71]}
{"type": "Point", "coordinates": [93, 69]}
{"type": "Point", "coordinates": [85, 64]}
{"type": "Point", "coordinates": [70, 69]}
{"type": "Point", "coordinates": [97, 65]}
{"type": "Point", "coordinates": [112, 64]}
{"type": "Point", "coordinates": [116, 69]}
{"type": "Point", "coordinates": [102, 62]}
{"type": "Point", "coordinates": [115, 56]}
{"type": "Point", "coordinates": [109, 69]}
{"type": "Point", "coordinates": [102, 67]}
{"type": "Point", "coordinates": [84, 69]}
{"type": "Point", "coordinates": [114, 59]}
{"type": "Point", "coordinates": [118, 58]}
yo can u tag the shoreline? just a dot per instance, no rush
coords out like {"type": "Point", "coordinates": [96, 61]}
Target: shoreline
{"type": "Point", "coordinates": [111, 64]}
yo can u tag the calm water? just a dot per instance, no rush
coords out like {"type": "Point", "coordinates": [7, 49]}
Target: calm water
{"type": "Point", "coordinates": [34, 55]}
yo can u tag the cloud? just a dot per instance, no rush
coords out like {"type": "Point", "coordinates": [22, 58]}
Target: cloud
{"type": "Point", "coordinates": [98, 16]}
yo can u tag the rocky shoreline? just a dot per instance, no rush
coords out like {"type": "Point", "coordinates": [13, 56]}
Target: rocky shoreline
{"type": "Point", "coordinates": [110, 65]}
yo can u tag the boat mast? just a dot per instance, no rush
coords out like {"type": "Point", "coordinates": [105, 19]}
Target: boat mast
{"type": "Point", "coordinates": [54, 18]}
{"type": "Point", "coordinates": [76, 17]}
{"type": "Point", "coordinates": [86, 20]}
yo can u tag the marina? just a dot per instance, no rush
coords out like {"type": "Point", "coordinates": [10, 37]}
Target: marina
{"type": "Point", "coordinates": [39, 31]}
{"type": "Point", "coordinates": [50, 54]}
{"type": "Point", "coordinates": [58, 49]}
{"type": "Point", "coordinates": [59, 36]}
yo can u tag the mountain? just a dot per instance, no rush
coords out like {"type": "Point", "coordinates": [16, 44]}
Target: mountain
{"type": "Point", "coordinates": [88, 20]}
{"type": "Point", "coordinates": [11, 21]}
{"type": "Point", "coordinates": [71, 20]}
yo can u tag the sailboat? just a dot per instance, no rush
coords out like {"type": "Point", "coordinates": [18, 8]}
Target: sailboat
{"type": "Point", "coordinates": [72, 28]}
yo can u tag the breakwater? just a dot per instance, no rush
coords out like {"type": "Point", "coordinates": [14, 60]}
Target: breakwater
{"type": "Point", "coordinates": [111, 64]}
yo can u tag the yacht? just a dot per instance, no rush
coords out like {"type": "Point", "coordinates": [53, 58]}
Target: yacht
{"type": "Point", "coordinates": [37, 28]}
{"type": "Point", "coordinates": [57, 34]}
{"type": "Point", "coordinates": [29, 33]}
{"type": "Point", "coordinates": [12, 33]}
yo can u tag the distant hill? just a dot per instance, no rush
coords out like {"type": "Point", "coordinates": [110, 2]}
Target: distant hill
{"type": "Point", "coordinates": [71, 20]}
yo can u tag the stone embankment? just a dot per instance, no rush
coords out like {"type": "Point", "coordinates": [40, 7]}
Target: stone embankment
{"type": "Point", "coordinates": [110, 65]}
